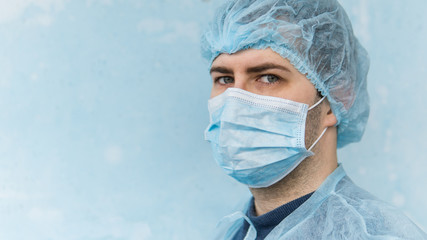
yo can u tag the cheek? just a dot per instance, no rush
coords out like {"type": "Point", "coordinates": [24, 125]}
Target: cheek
{"type": "Point", "coordinates": [308, 96]}
{"type": "Point", "coordinates": [312, 126]}
{"type": "Point", "coordinates": [216, 91]}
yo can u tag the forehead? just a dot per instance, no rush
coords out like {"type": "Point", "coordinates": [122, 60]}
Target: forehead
{"type": "Point", "coordinates": [251, 57]}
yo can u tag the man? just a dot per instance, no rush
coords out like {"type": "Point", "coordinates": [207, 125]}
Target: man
{"type": "Point", "coordinates": [289, 88]}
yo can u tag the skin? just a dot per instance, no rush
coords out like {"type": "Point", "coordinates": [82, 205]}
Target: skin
{"type": "Point", "coordinates": [265, 72]}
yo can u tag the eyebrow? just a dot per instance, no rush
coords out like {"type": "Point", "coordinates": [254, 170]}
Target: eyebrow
{"type": "Point", "coordinates": [221, 70]}
{"type": "Point", "coordinates": [256, 69]}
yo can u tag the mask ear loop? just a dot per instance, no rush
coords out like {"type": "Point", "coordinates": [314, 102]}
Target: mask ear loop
{"type": "Point", "coordinates": [321, 135]}
{"type": "Point", "coordinates": [315, 105]}
{"type": "Point", "coordinates": [317, 140]}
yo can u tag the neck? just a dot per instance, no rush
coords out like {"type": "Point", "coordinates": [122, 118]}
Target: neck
{"type": "Point", "coordinates": [304, 179]}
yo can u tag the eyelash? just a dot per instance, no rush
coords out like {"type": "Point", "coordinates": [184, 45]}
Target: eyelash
{"type": "Point", "coordinates": [219, 78]}
{"type": "Point", "coordinates": [216, 80]}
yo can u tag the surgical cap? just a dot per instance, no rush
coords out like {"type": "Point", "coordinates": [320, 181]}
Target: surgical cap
{"type": "Point", "coordinates": [315, 36]}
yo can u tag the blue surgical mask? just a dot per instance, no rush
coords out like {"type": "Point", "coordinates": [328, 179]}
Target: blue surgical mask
{"type": "Point", "coordinates": [256, 139]}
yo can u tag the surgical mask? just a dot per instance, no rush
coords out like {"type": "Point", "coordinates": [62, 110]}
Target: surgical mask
{"type": "Point", "coordinates": [256, 139]}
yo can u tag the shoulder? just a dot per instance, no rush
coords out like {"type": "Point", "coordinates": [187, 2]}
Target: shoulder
{"type": "Point", "coordinates": [350, 209]}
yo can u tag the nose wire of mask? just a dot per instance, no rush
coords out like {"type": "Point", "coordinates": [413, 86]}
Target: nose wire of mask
{"type": "Point", "coordinates": [257, 139]}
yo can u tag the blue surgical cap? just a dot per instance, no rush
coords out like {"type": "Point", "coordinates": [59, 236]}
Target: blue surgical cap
{"type": "Point", "coordinates": [315, 36]}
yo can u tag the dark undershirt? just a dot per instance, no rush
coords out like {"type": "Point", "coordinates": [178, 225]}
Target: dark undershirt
{"type": "Point", "coordinates": [266, 222]}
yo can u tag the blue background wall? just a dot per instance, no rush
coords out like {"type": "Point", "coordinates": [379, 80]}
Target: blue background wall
{"type": "Point", "coordinates": [103, 108]}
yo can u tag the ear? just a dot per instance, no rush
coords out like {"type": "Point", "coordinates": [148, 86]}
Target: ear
{"type": "Point", "coordinates": [329, 119]}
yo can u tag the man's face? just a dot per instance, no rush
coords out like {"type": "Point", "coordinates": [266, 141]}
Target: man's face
{"type": "Point", "coordinates": [265, 72]}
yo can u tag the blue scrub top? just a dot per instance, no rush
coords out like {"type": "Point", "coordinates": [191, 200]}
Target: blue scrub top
{"type": "Point", "coordinates": [337, 210]}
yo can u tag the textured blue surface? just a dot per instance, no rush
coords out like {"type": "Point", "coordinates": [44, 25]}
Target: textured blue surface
{"type": "Point", "coordinates": [103, 108]}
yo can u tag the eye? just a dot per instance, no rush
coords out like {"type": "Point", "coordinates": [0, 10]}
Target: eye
{"type": "Point", "coordinates": [269, 78]}
{"type": "Point", "coordinates": [224, 80]}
